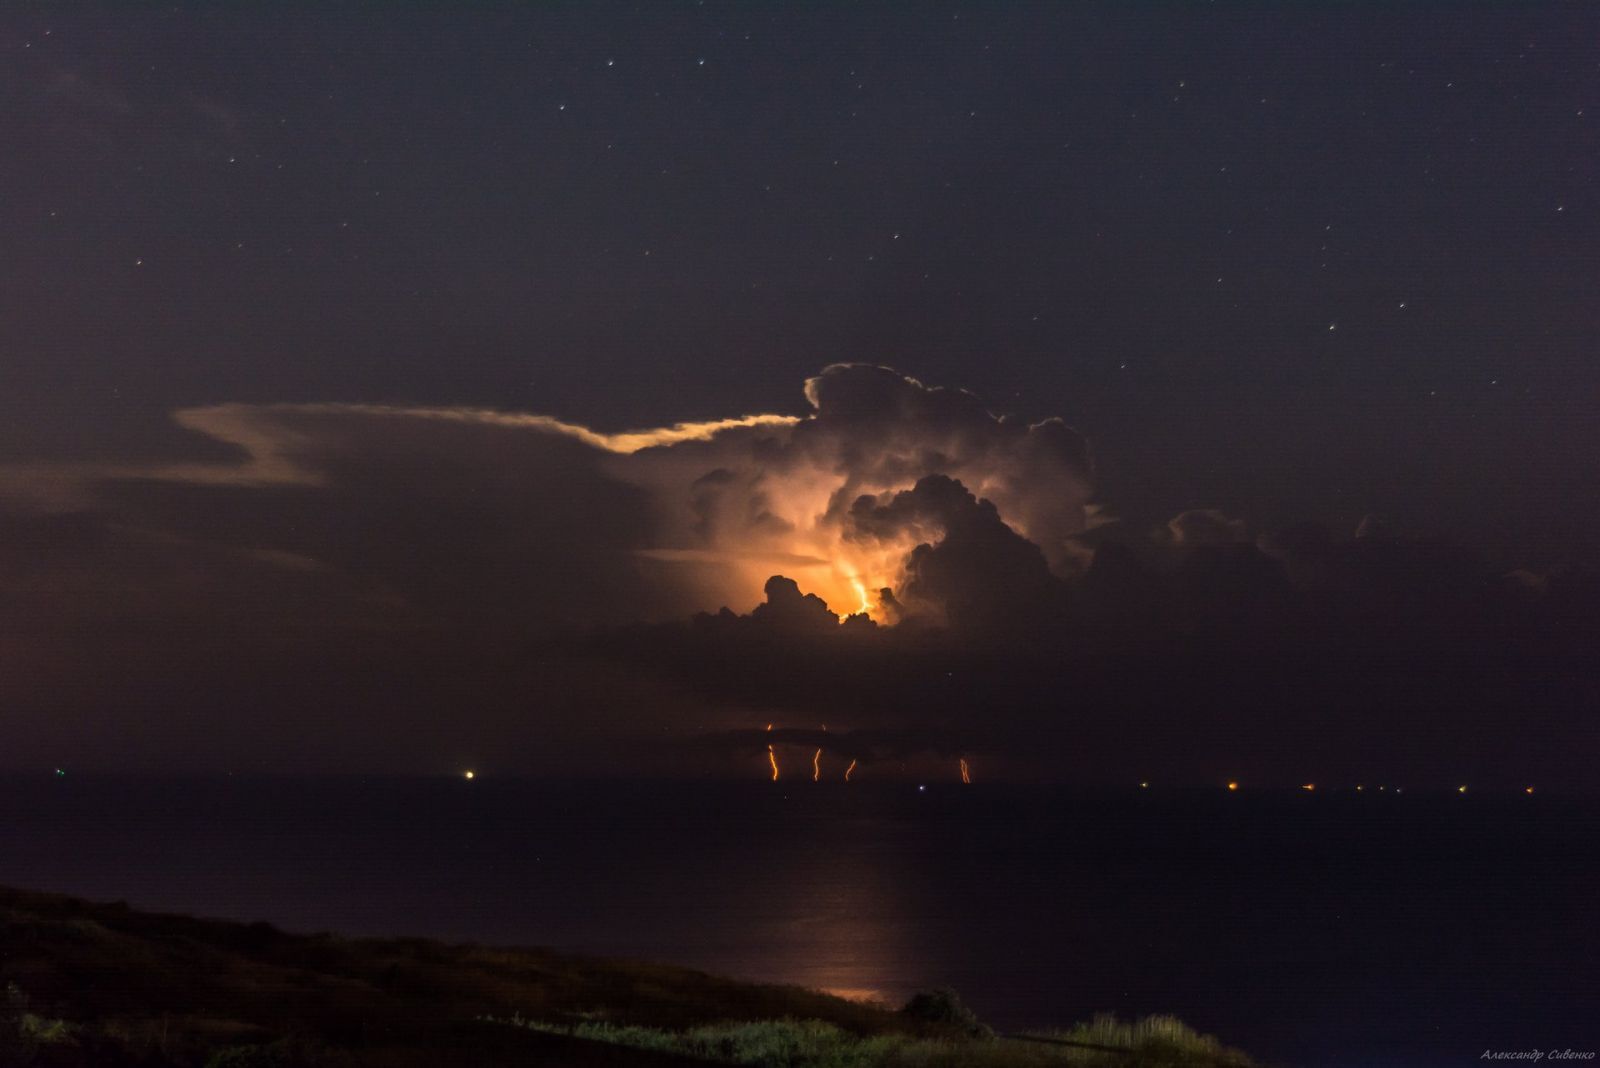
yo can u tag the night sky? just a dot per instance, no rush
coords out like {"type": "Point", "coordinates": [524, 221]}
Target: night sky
{"type": "Point", "coordinates": [1294, 265]}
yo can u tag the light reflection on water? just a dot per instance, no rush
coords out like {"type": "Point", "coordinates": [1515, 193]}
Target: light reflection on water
{"type": "Point", "coordinates": [1272, 921]}
{"type": "Point", "coordinates": [838, 918]}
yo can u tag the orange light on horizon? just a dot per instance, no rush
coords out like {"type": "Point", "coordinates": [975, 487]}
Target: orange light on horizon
{"type": "Point", "coordinates": [848, 770]}
{"type": "Point", "coordinates": [772, 757]}
{"type": "Point", "coordinates": [1308, 787]}
{"type": "Point", "coordinates": [1529, 790]}
{"type": "Point", "coordinates": [966, 771]}
{"type": "Point", "coordinates": [1461, 789]}
{"type": "Point", "coordinates": [469, 775]}
{"type": "Point", "coordinates": [816, 766]}
{"type": "Point", "coordinates": [1233, 786]}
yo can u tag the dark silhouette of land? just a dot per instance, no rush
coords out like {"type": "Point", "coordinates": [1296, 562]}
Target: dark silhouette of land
{"type": "Point", "coordinates": [106, 985]}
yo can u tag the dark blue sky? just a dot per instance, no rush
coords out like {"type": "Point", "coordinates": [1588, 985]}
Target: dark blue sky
{"type": "Point", "coordinates": [1293, 263]}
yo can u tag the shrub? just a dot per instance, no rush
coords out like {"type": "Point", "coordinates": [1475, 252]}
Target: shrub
{"type": "Point", "coordinates": [44, 1032]}
{"type": "Point", "coordinates": [944, 1006]}
{"type": "Point", "coordinates": [274, 1055]}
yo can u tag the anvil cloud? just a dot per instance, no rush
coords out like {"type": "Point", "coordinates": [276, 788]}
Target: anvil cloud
{"type": "Point", "coordinates": [350, 585]}
{"type": "Point", "coordinates": [590, 526]}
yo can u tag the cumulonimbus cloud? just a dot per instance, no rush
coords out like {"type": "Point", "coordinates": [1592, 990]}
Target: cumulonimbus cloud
{"type": "Point", "coordinates": [318, 561]}
{"type": "Point", "coordinates": [753, 498]}
{"type": "Point", "coordinates": [721, 504]}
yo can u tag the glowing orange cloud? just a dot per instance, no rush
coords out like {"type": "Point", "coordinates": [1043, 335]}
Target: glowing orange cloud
{"type": "Point", "coordinates": [220, 420]}
{"type": "Point", "coordinates": [864, 603]}
{"type": "Point", "coordinates": [779, 503]}
{"type": "Point", "coordinates": [269, 435]}
{"type": "Point", "coordinates": [734, 515]}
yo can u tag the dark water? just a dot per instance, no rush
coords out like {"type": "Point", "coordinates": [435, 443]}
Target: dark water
{"type": "Point", "coordinates": [1317, 929]}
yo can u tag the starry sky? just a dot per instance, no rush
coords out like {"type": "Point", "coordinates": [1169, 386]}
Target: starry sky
{"type": "Point", "coordinates": [1292, 263]}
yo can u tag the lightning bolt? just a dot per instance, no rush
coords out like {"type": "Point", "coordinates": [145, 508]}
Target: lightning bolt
{"type": "Point", "coordinates": [848, 770]}
{"type": "Point", "coordinates": [772, 758]}
{"type": "Point", "coordinates": [861, 592]}
{"type": "Point", "coordinates": [966, 772]}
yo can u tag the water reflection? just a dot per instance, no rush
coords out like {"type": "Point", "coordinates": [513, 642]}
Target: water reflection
{"type": "Point", "coordinates": [1273, 921]}
{"type": "Point", "coordinates": [834, 912]}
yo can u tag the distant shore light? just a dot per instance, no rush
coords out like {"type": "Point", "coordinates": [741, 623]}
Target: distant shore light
{"type": "Point", "coordinates": [469, 775]}
{"type": "Point", "coordinates": [1309, 786]}
{"type": "Point", "coordinates": [1461, 789]}
{"type": "Point", "coordinates": [1233, 786]}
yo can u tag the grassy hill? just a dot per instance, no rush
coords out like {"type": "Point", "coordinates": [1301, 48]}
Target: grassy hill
{"type": "Point", "coordinates": [102, 984]}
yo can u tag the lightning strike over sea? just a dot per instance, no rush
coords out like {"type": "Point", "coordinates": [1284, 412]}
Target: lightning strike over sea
{"type": "Point", "coordinates": [433, 436]}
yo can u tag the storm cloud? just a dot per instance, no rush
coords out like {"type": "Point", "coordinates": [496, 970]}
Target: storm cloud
{"type": "Point", "coordinates": [403, 586]}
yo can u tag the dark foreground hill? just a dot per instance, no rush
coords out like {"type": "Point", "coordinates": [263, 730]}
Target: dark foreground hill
{"type": "Point", "coordinates": [103, 984]}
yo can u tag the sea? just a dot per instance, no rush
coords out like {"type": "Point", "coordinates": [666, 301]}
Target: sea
{"type": "Point", "coordinates": [1325, 928]}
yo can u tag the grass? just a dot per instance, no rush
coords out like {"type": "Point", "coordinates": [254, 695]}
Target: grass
{"type": "Point", "coordinates": [105, 985]}
{"type": "Point", "coordinates": [1154, 1042]}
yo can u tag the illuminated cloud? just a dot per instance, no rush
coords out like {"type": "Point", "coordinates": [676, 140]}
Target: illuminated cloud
{"type": "Point", "coordinates": [1202, 527]}
{"type": "Point", "coordinates": [968, 567]}
{"type": "Point", "coordinates": [493, 513]}
{"type": "Point", "coordinates": [765, 499]}
{"type": "Point", "coordinates": [279, 443]}
{"type": "Point", "coordinates": [383, 579]}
